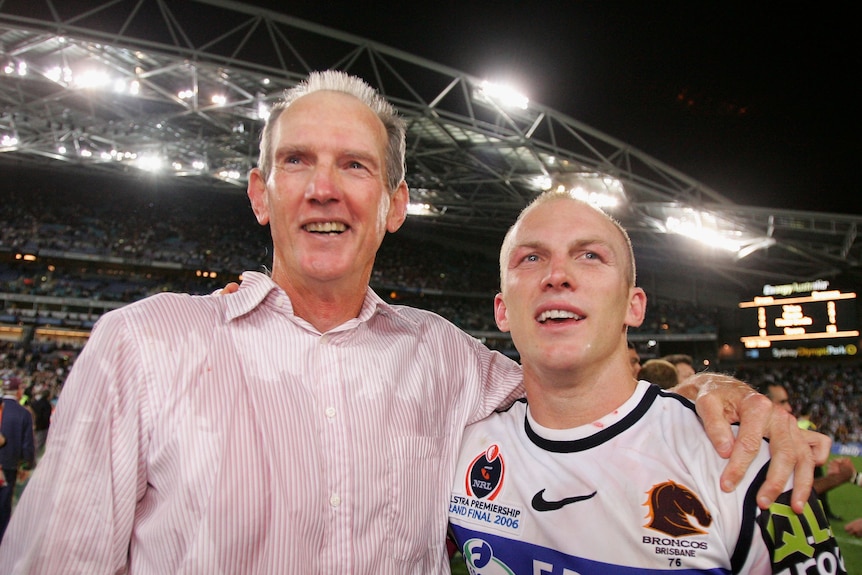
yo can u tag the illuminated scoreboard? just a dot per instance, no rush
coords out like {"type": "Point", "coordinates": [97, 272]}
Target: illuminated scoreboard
{"type": "Point", "coordinates": [800, 320]}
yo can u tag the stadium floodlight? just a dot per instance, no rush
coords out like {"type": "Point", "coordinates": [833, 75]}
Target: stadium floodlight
{"type": "Point", "coordinates": [19, 69]}
{"type": "Point", "coordinates": [91, 79]}
{"type": "Point", "coordinates": [707, 233]}
{"type": "Point", "coordinates": [542, 182]}
{"type": "Point", "coordinates": [502, 95]}
{"type": "Point", "coordinates": [714, 231]}
{"type": "Point", "coordinates": [262, 109]}
{"type": "Point", "coordinates": [230, 174]}
{"type": "Point", "coordinates": [150, 163]}
{"type": "Point", "coordinates": [7, 141]}
{"type": "Point", "coordinates": [58, 75]}
{"type": "Point", "coordinates": [421, 209]}
{"type": "Point", "coordinates": [600, 190]}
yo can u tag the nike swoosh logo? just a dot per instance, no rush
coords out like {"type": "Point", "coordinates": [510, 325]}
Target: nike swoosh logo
{"type": "Point", "coordinates": [540, 504]}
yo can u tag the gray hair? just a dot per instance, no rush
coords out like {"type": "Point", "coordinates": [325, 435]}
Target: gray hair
{"type": "Point", "coordinates": [552, 195]}
{"type": "Point", "coordinates": [337, 81]}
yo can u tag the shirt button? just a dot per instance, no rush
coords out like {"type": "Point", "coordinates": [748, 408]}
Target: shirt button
{"type": "Point", "coordinates": [280, 301]}
{"type": "Point", "coordinates": [330, 412]}
{"type": "Point", "coordinates": [335, 500]}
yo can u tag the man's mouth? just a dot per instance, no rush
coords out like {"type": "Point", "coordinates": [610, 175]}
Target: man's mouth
{"type": "Point", "coordinates": [557, 315]}
{"type": "Point", "coordinates": [325, 227]}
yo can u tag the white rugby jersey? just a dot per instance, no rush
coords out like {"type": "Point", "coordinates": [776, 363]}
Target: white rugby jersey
{"type": "Point", "coordinates": [635, 492]}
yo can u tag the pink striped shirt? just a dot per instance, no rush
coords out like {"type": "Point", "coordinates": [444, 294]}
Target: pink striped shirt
{"type": "Point", "coordinates": [223, 434]}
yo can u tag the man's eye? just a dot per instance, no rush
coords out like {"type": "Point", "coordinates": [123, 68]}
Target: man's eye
{"type": "Point", "coordinates": [355, 166]}
{"type": "Point", "coordinates": [531, 258]}
{"type": "Point", "coordinates": [287, 162]}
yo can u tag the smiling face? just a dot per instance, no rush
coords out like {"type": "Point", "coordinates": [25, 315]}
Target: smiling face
{"type": "Point", "coordinates": [326, 198]}
{"type": "Point", "coordinates": [567, 288]}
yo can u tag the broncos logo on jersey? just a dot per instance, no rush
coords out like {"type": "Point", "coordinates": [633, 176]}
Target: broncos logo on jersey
{"type": "Point", "coordinates": [671, 507]}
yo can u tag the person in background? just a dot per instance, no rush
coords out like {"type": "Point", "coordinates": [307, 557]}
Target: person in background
{"type": "Point", "coordinates": [634, 359]}
{"type": "Point", "coordinates": [40, 406]}
{"type": "Point", "coordinates": [301, 422]}
{"type": "Point", "coordinates": [558, 483]}
{"type": "Point", "coordinates": [684, 365]}
{"type": "Point", "coordinates": [660, 372]}
{"type": "Point", "coordinates": [839, 471]}
{"type": "Point", "coordinates": [17, 454]}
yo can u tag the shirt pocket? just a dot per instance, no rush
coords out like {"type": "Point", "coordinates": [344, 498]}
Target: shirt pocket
{"type": "Point", "coordinates": [414, 506]}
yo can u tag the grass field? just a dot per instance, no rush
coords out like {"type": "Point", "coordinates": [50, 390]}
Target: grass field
{"type": "Point", "coordinates": [845, 501]}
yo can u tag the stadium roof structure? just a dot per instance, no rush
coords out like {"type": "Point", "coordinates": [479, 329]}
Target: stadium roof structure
{"type": "Point", "coordinates": [126, 86]}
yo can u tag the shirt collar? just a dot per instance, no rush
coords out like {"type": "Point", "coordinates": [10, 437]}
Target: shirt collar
{"type": "Point", "coordinates": [257, 286]}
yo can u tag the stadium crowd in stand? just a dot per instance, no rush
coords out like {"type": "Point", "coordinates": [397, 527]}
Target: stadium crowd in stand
{"type": "Point", "coordinates": [830, 392]}
{"type": "Point", "coordinates": [122, 245]}
{"type": "Point", "coordinates": [119, 244]}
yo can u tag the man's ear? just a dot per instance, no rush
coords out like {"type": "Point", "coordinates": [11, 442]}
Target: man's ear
{"type": "Point", "coordinates": [257, 195]}
{"type": "Point", "coordinates": [397, 207]}
{"type": "Point", "coordinates": [501, 313]}
{"type": "Point", "coordinates": [637, 307]}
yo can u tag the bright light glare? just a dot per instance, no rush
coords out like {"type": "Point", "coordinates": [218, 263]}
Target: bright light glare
{"type": "Point", "coordinates": [59, 75]}
{"type": "Point", "coordinates": [219, 100]}
{"type": "Point", "coordinates": [506, 96]}
{"type": "Point", "coordinates": [11, 68]}
{"type": "Point", "coordinates": [229, 174]}
{"type": "Point", "coordinates": [92, 79]}
{"type": "Point", "coordinates": [415, 209]}
{"type": "Point", "coordinates": [544, 183]}
{"type": "Point", "coordinates": [262, 111]}
{"type": "Point", "coordinates": [599, 190]}
{"type": "Point", "coordinates": [706, 235]}
{"type": "Point", "coordinates": [150, 163]}
{"type": "Point", "coordinates": [7, 141]}
{"type": "Point", "coordinates": [598, 199]}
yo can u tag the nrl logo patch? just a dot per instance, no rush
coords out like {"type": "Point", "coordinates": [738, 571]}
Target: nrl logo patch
{"type": "Point", "coordinates": [485, 474]}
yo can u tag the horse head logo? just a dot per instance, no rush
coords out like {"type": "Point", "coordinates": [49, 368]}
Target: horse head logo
{"type": "Point", "coordinates": [671, 507]}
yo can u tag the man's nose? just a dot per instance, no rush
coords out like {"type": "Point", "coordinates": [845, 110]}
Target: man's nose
{"type": "Point", "coordinates": [559, 275]}
{"type": "Point", "coordinates": [323, 186]}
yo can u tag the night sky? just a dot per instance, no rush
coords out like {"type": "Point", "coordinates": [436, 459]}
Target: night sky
{"type": "Point", "coordinates": [755, 100]}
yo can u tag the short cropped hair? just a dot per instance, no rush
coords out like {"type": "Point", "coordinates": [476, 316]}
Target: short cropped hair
{"type": "Point", "coordinates": [660, 372]}
{"type": "Point", "coordinates": [337, 81]}
{"type": "Point", "coordinates": [552, 195]}
{"type": "Point", "coordinates": [677, 358]}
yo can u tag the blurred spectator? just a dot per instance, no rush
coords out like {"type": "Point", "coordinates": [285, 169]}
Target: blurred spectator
{"type": "Point", "coordinates": [660, 372]}
{"type": "Point", "coordinates": [17, 454]}
{"type": "Point", "coordinates": [683, 363]}
{"type": "Point", "coordinates": [840, 470]}
{"type": "Point", "coordinates": [634, 360]}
